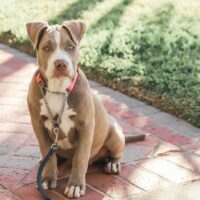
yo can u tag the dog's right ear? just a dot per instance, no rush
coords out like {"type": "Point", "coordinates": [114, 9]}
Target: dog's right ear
{"type": "Point", "coordinates": [35, 31]}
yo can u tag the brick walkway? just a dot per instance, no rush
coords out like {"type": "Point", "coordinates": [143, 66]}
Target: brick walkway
{"type": "Point", "coordinates": [170, 155]}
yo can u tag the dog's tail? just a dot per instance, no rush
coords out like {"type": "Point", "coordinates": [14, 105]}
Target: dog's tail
{"type": "Point", "coordinates": [134, 138]}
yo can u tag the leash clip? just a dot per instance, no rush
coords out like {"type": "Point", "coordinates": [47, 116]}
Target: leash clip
{"type": "Point", "coordinates": [56, 132]}
{"type": "Point", "coordinates": [54, 147]}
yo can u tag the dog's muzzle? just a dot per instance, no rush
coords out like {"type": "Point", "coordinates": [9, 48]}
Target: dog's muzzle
{"type": "Point", "coordinates": [61, 68]}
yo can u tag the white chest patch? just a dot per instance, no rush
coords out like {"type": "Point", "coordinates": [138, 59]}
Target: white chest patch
{"type": "Point", "coordinates": [55, 103]}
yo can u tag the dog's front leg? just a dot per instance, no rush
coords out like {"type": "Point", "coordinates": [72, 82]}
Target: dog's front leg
{"type": "Point", "coordinates": [49, 174]}
{"type": "Point", "coordinates": [76, 184]}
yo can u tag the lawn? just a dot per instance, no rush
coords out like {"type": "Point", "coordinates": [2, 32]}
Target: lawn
{"type": "Point", "coordinates": [149, 49]}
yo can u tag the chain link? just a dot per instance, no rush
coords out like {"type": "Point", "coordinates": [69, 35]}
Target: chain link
{"type": "Point", "coordinates": [55, 122]}
{"type": "Point", "coordinates": [54, 92]}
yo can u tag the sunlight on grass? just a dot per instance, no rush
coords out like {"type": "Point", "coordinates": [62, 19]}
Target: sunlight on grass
{"type": "Point", "coordinates": [185, 7]}
{"type": "Point", "coordinates": [150, 46]}
{"type": "Point", "coordinates": [13, 18]}
{"type": "Point", "coordinates": [101, 8]}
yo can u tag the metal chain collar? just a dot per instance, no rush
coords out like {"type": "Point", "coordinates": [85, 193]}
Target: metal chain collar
{"type": "Point", "coordinates": [54, 92]}
{"type": "Point", "coordinates": [55, 122]}
{"type": "Point", "coordinates": [56, 128]}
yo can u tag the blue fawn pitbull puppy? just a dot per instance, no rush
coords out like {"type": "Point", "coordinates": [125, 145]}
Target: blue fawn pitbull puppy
{"type": "Point", "coordinates": [86, 131]}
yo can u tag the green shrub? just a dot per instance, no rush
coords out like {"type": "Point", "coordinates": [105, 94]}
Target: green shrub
{"type": "Point", "coordinates": [156, 49]}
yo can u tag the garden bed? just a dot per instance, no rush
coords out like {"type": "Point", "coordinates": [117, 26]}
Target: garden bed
{"type": "Point", "coordinates": [146, 49]}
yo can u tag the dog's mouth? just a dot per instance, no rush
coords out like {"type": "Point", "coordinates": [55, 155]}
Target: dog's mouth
{"type": "Point", "coordinates": [61, 73]}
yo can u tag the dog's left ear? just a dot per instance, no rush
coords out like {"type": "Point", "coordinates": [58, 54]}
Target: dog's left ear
{"type": "Point", "coordinates": [76, 29]}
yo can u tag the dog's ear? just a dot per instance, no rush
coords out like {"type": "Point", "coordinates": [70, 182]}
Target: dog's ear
{"type": "Point", "coordinates": [76, 29]}
{"type": "Point", "coordinates": [35, 31]}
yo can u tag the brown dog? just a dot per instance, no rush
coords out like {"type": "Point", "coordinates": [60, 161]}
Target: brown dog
{"type": "Point", "coordinates": [87, 132]}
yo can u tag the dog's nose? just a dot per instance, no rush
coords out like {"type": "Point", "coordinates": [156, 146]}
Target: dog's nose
{"type": "Point", "coordinates": [61, 64]}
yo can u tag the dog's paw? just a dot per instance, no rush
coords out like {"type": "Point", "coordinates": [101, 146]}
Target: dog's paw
{"type": "Point", "coordinates": [49, 183]}
{"type": "Point", "coordinates": [113, 167]}
{"type": "Point", "coordinates": [75, 188]}
{"type": "Point", "coordinates": [74, 191]}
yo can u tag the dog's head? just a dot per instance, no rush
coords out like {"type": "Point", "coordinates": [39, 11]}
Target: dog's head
{"type": "Point", "coordinates": [57, 47]}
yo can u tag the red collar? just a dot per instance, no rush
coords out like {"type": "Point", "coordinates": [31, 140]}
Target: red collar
{"type": "Point", "coordinates": [69, 89]}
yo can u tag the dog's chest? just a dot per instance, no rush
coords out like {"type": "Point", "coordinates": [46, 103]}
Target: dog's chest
{"type": "Point", "coordinates": [55, 103]}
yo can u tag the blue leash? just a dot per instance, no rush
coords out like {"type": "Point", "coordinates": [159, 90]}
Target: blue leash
{"type": "Point", "coordinates": [51, 151]}
{"type": "Point", "coordinates": [55, 123]}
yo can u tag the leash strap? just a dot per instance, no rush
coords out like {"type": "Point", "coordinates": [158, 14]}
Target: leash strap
{"type": "Point", "coordinates": [55, 123]}
{"type": "Point", "coordinates": [54, 146]}
{"type": "Point", "coordinates": [51, 151]}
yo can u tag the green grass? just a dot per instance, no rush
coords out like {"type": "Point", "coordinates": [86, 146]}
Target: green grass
{"type": "Point", "coordinates": [148, 49]}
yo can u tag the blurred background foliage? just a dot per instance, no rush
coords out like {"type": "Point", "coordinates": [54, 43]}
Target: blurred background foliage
{"type": "Point", "coordinates": [147, 49]}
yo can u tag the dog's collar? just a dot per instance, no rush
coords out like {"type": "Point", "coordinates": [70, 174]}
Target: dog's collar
{"type": "Point", "coordinates": [69, 89]}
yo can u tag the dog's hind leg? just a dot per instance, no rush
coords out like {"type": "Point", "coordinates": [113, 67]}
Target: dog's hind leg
{"type": "Point", "coordinates": [115, 143]}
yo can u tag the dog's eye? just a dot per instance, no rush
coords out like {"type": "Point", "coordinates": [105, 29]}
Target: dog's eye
{"type": "Point", "coordinates": [46, 48]}
{"type": "Point", "coordinates": [70, 47]}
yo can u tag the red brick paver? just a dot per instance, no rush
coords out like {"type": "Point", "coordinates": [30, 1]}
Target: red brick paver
{"type": "Point", "coordinates": [170, 155]}
{"type": "Point", "coordinates": [143, 178]}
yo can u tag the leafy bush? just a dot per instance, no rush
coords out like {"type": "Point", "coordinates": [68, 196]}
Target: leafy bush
{"type": "Point", "coordinates": [154, 49]}
{"type": "Point", "coordinates": [160, 53]}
